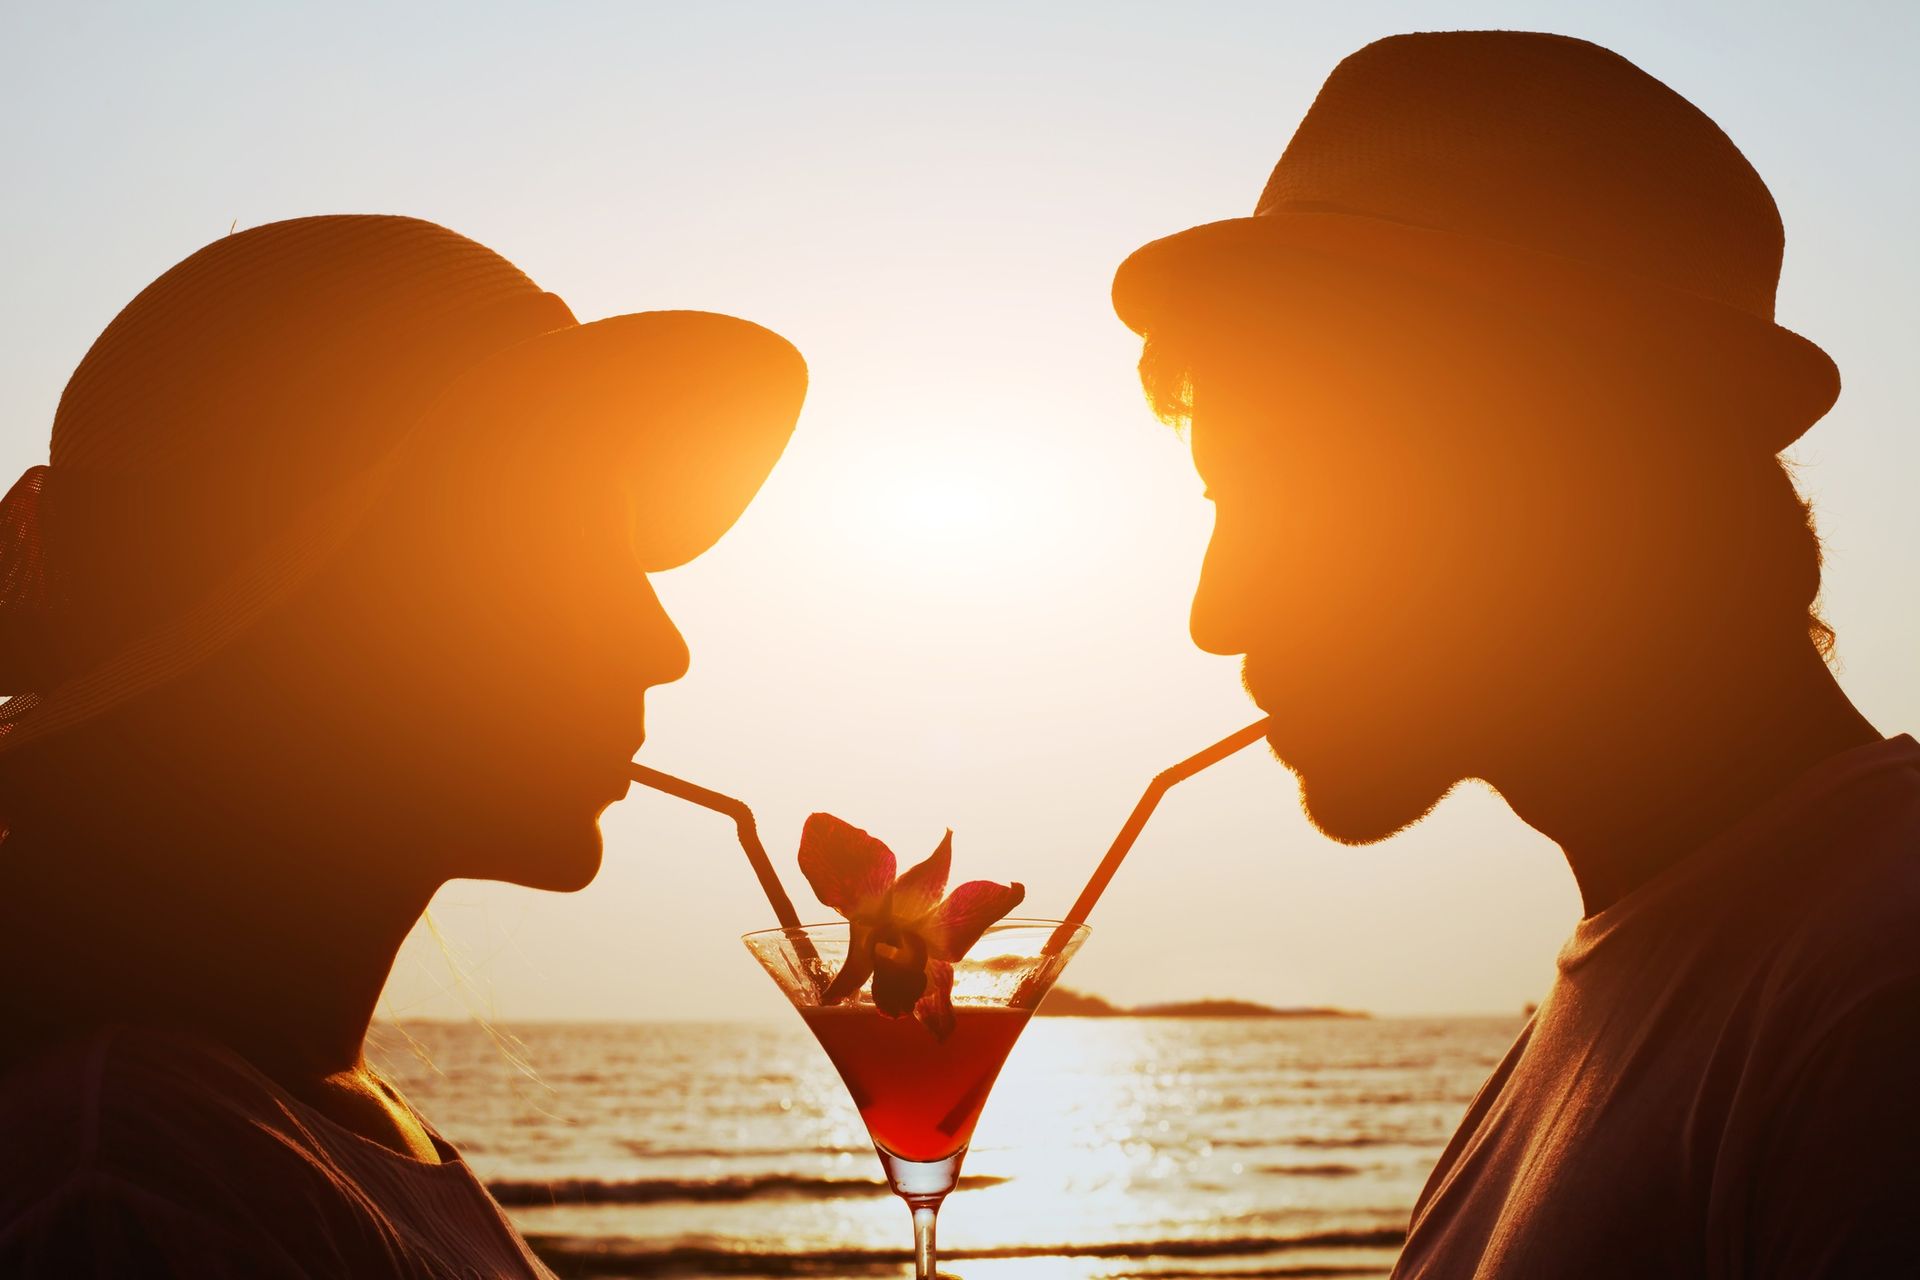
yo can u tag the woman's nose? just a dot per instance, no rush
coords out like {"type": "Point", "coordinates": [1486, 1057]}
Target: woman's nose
{"type": "Point", "coordinates": [662, 651]}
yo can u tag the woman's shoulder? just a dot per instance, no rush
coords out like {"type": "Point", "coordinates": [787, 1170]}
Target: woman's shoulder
{"type": "Point", "coordinates": [183, 1138]}
{"type": "Point", "coordinates": [97, 1071]}
{"type": "Point", "coordinates": [117, 1140]}
{"type": "Point", "coordinates": [144, 1104]}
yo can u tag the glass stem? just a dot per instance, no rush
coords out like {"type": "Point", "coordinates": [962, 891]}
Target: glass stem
{"type": "Point", "coordinates": [924, 1267]}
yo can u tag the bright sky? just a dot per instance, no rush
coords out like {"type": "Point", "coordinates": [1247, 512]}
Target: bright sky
{"type": "Point", "coordinates": [961, 599]}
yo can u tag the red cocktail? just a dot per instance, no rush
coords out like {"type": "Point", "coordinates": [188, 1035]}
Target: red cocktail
{"type": "Point", "coordinates": [920, 1084]}
{"type": "Point", "coordinates": [916, 997]}
{"type": "Point", "coordinates": [919, 1096]}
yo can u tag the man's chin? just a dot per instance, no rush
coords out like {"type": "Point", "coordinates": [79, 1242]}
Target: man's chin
{"type": "Point", "coordinates": [1364, 804]}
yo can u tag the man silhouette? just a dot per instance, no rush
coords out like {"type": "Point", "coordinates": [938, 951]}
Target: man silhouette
{"type": "Point", "coordinates": [1488, 396]}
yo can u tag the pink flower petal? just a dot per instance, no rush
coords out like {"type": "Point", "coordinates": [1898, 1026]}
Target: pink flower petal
{"type": "Point", "coordinates": [935, 1008]}
{"type": "Point", "coordinates": [849, 870]}
{"type": "Point", "coordinates": [959, 921]}
{"type": "Point", "coordinates": [917, 892]}
{"type": "Point", "coordinates": [854, 970]}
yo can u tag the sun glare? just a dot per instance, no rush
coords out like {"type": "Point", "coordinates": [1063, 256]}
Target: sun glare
{"type": "Point", "coordinates": [938, 508]}
{"type": "Point", "coordinates": [947, 503]}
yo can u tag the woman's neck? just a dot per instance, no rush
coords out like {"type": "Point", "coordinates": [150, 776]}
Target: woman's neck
{"type": "Point", "coordinates": [275, 947]}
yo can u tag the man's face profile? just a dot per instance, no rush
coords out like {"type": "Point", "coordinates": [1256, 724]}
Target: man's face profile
{"type": "Point", "coordinates": [1380, 559]}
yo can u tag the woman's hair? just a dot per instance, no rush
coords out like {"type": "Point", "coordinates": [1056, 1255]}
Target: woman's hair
{"type": "Point", "coordinates": [1727, 527]}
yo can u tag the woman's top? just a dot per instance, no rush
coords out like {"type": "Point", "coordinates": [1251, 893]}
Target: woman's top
{"type": "Point", "coordinates": [144, 1152]}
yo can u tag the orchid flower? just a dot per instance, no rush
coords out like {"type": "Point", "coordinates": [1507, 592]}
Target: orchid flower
{"type": "Point", "coordinates": [906, 935]}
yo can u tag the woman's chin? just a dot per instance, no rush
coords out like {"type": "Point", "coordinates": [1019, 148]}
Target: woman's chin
{"type": "Point", "coordinates": [560, 877]}
{"type": "Point", "coordinates": [558, 861]}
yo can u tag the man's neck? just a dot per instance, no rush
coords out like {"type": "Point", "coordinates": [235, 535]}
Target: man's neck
{"type": "Point", "coordinates": [1647, 779]}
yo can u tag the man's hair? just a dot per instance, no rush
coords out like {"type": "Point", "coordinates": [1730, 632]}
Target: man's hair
{"type": "Point", "coordinates": [1740, 535]}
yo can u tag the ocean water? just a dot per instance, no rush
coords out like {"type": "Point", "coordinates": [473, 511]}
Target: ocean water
{"type": "Point", "coordinates": [1110, 1147]}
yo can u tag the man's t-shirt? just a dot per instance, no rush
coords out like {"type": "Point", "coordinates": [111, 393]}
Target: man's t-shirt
{"type": "Point", "coordinates": [152, 1153]}
{"type": "Point", "coordinates": [1724, 1080]}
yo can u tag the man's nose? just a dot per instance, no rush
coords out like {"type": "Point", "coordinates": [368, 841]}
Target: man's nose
{"type": "Point", "coordinates": [1224, 599]}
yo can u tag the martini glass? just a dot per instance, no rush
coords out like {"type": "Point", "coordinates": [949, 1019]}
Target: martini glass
{"type": "Point", "coordinates": [920, 1095]}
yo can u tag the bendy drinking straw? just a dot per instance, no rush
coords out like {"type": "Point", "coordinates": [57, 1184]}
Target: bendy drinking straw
{"type": "Point", "coordinates": [1137, 820]}
{"type": "Point", "coordinates": [744, 825]}
{"type": "Point", "coordinates": [756, 852]}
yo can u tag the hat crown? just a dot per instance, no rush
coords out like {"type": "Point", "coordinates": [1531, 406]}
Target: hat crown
{"type": "Point", "coordinates": [287, 339]}
{"type": "Point", "coordinates": [249, 383]}
{"type": "Point", "coordinates": [1542, 141]}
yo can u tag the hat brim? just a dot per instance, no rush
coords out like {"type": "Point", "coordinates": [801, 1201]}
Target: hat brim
{"type": "Point", "coordinates": [696, 407]}
{"type": "Point", "coordinates": [1765, 382]}
{"type": "Point", "coordinates": [689, 409]}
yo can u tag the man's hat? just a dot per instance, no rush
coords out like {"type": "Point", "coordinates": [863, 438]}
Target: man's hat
{"type": "Point", "coordinates": [232, 427]}
{"type": "Point", "coordinates": [1544, 176]}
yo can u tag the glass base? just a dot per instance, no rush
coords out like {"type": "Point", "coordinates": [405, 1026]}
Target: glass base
{"type": "Point", "coordinates": [921, 1182]}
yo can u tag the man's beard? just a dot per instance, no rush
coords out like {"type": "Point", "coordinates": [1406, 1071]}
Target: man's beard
{"type": "Point", "coordinates": [1363, 776]}
{"type": "Point", "coordinates": [1364, 803]}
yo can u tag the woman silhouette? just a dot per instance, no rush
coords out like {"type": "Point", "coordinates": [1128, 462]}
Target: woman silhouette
{"type": "Point", "coordinates": [334, 590]}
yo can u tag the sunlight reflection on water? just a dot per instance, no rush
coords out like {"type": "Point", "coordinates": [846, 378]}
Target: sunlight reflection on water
{"type": "Point", "coordinates": [1114, 1146]}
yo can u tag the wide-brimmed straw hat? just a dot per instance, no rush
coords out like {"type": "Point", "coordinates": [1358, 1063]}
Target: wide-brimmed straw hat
{"type": "Point", "coordinates": [1546, 176]}
{"type": "Point", "coordinates": [240, 419]}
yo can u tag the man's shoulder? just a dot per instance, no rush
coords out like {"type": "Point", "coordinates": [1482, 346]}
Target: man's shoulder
{"type": "Point", "coordinates": [1861, 879]}
{"type": "Point", "coordinates": [1814, 1168]}
{"type": "Point", "coordinates": [1848, 938]}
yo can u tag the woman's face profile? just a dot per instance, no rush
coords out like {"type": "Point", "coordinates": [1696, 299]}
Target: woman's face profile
{"type": "Point", "coordinates": [491, 647]}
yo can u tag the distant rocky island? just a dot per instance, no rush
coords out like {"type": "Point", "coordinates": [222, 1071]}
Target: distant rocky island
{"type": "Point", "coordinates": [1066, 1003]}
